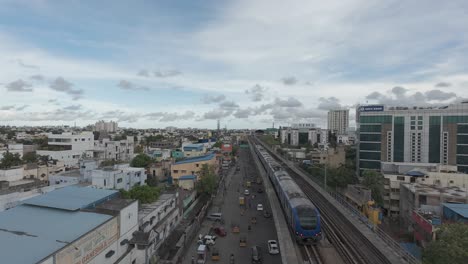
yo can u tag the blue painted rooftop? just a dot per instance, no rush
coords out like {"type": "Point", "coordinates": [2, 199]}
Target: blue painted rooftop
{"type": "Point", "coordinates": [187, 177]}
{"type": "Point", "coordinates": [461, 209]}
{"type": "Point", "coordinates": [29, 234]}
{"type": "Point", "coordinates": [196, 159]}
{"type": "Point", "coordinates": [72, 198]}
{"type": "Point", "coordinates": [194, 146]}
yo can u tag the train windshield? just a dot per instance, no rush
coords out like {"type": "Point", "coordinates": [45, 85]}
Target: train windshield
{"type": "Point", "coordinates": [307, 218]}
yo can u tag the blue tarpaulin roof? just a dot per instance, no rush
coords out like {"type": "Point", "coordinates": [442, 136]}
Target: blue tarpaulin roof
{"type": "Point", "coordinates": [415, 173]}
{"type": "Point", "coordinates": [461, 209]}
{"type": "Point", "coordinates": [72, 198]}
{"type": "Point", "coordinates": [187, 177]}
{"type": "Point", "coordinates": [196, 159]}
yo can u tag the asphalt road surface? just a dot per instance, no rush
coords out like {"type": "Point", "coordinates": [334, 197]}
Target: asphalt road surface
{"type": "Point", "coordinates": [228, 204]}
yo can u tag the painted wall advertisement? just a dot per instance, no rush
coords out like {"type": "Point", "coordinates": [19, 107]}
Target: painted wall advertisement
{"type": "Point", "coordinates": [89, 246]}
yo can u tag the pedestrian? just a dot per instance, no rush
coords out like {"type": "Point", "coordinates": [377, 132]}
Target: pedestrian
{"type": "Point", "coordinates": [193, 259]}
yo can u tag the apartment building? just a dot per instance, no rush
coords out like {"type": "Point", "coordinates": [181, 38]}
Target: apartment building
{"type": "Point", "coordinates": [156, 220]}
{"type": "Point", "coordinates": [303, 134]}
{"type": "Point", "coordinates": [192, 166]}
{"type": "Point", "coordinates": [120, 176]}
{"type": "Point", "coordinates": [107, 149]}
{"type": "Point", "coordinates": [109, 127]}
{"type": "Point", "coordinates": [412, 134]}
{"type": "Point", "coordinates": [338, 121]}
{"type": "Point", "coordinates": [69, 147]}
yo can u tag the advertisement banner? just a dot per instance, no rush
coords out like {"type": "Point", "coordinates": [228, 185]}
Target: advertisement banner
{"type": "Point", "coordinates": [89, 246]}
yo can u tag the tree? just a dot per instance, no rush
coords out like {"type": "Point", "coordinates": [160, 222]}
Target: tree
{"type": "Point", "coordinates": [375, 182]}
{"type": "Point", "coordinates": [340, 177]}
{"type": "Point", "coordinates": [144, 194]}
{"type": "Point", "coordinates": [30, 157]}
{"type": "Point", "coordinates": [10, 160]}
{"type": "Point", "coordinates": [217, 144]}
{"type": "Point", "coordinates": [208, 180]}
{"type": "Point", "coordinates": [141, 161]}
{"type": "Point", "coordinates": [138, 149]}
{"type": "Point", "coordinates": [450, 247]}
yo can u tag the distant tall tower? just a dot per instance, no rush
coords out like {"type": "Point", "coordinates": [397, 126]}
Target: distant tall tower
{"type": "Point", "coordinates": [219, 124]}
{"type": "Point", "coordinates": [338, 121]}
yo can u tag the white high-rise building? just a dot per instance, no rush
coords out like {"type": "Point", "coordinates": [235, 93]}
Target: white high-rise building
{"type": "Point", "coordinates": [338, 121]}
{"type": "Point", "coordinates": [110, 127]}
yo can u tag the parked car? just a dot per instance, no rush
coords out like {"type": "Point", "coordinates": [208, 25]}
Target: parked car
{"type": "Point", "coordinates": [256, 254]}
{"type": "Point", "coordinates": [215, 216]}
{"type": "Point", "coordinates": [260, 190]}
{"type": "Point", "coordinates": [259, 207]}
{"type": "Point", "coordinates": [220, 231]}
{"type": "Point", "coordinates": [273, 247]}
{"type": "Point", "coordinates": [266, 214]}
{"type": "Point", "coordinates": [246, 192]}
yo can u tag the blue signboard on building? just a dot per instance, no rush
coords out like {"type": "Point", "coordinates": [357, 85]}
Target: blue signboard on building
{"type": "Point", "coordinates": [371, 108]}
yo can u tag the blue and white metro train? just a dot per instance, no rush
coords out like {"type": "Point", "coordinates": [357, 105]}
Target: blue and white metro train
{"type": "Point", "coordinates": [302, 215]}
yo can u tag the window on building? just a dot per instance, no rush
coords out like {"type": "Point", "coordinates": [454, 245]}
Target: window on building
{"type": "Point", "coordinates": [183, 171]}
{"type": "Point", "coordinates": [197, 165]}
{"type": "Point", "coordinates": [401, 178]}
{"type": "Point", "coordinates": [119, 180]}
{"type": "Point", "coordinates": [422, 199]}
{"type": "Point", "coordinates": [175, 171]}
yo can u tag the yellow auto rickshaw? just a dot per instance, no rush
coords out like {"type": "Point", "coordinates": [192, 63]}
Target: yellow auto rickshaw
{"type": "Point", "coordinates": [253, 220]}
{"type": "Point", "coordinates": [235, 228]}
{"type": "Point", "coordinates": [215, 254]}
{"type": "Point", "coordinates": [243, 241]}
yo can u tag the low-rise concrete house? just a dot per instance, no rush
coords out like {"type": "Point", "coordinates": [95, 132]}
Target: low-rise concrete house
{"type": "Point", "coordinates": [192, 166]}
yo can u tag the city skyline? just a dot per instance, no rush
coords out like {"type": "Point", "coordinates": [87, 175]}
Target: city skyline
{"type": "Point", "coordinates": [247, 63]}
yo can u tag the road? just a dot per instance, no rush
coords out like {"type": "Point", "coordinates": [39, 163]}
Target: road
{"type": "Point", "coordinates": [228, 204]}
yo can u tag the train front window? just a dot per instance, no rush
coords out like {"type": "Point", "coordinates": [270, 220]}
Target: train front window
{"type": "Point", "coordinates": [307, 218]}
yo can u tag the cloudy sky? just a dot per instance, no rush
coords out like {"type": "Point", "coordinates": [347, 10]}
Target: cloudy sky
{"type": "Point", "coordinates": [249, 63]}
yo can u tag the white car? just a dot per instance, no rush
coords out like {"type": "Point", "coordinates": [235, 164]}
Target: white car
{"type": "Point", "coordinates": [246, 192]}
{"type": "Point", "coordinates": [259, 207]}
{"type": "Point", "coordinates": [273, 247]}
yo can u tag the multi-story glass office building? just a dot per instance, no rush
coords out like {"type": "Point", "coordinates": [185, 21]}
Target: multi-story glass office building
{"type": "Point", "coordinates": [412, 134]}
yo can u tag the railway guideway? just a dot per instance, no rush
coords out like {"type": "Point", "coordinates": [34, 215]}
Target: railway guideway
{"type": "Point", "coordinates": [387, 249]}
{"type": "Point", "coordinates": [288, 248]}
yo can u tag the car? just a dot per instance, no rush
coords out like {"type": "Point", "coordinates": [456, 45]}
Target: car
{"type": "Point", "coordinates": [260, 190]}
{"type": "Point", "coordinates": [256, 253]}
{"type": "Point", "coordinates": [220, 231]}
{"type": "Point", "coordinates": [259, 207]}
{"type": "Point", "coordinates": [266, 214]}
{"type": "Point", "coordinates": [246, 192]}
{"type": "Point", "coordinates": [273, 247]}
{"type": "Point", "coordinates": [215, 216]}
{"type": "Point", "coordinates": [207, 240]}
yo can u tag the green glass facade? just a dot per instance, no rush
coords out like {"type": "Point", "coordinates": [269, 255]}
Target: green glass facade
{"type": "Point", "coordinates": [369, 155]}
{"type": "Point", "coordinates": [434, 139]}
{"type": "Point", "coordinates": [399, 139]}
{"type": "Point", "coordinates": [378, 119]}
{"type": "Point", "coordinates": [367, 164]}
{"type": "Point", "coordinates": [462, 139]}
{"type": "Point", "coordinates": [370, 137]}
{"type": "Point", "coordinates": [462, 129]}
{"type": "Point", "coordinates": [462, 149]}
{"type": "Point", "coordinates": [370, 146]}
{"type": "Point", "coordinates": [371, 128]}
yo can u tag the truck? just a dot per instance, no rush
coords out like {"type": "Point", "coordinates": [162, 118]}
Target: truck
{"type": "Point", "coordinates": [241, 200]}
